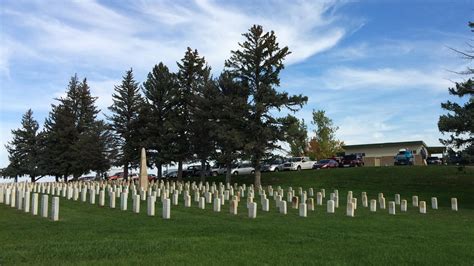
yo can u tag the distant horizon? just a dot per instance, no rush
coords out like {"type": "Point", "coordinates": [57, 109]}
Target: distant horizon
{"type": "Point", "coordinates": [379, 77]}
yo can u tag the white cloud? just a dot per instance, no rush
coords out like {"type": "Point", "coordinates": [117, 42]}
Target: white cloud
{"type": "Point", "coordinates": [94, 34]}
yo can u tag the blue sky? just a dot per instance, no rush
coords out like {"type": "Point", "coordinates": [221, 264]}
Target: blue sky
{"type": "Point", "coordinates": [380, 69]}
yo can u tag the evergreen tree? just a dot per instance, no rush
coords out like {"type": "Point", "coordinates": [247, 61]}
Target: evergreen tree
{"type": "Point", "coordinates": [258, 64]}
{"type": "Point", "coordinates": [160, 90]}
{"type": "Point", "coordinates": [58, 138]}
{"type": "Point", "coordinates": [124, 122]}
{"type": "Point", "coordinates": [192, 77]}
{"type": "Point", "coordinates": [459, 122]}
{"type": "Point", "coordinates": [231, 108]}
{"type": "Point", "coordinates": [327, 144]}
{"type": "Point", "coordinates": [68, 131]}
{"type": "Point", "coordinates": [24, 149]}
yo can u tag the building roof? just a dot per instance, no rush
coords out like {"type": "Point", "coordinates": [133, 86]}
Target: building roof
{"type": "Point", "coordinates": [431, 150]}
{"type": "Point", "coordinates": [386, 144]}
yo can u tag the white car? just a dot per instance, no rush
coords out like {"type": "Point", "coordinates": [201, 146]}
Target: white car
{"type": "Point", "coordinates": [298, 163]}
{"type": "Point", "coordinates": [243, 169]}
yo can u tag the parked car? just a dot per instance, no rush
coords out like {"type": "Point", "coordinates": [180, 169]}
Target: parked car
{"type": "Point", "coordinates": [116, 176]}
{"type": "Point", "coordinates": [218, 170]}
{"type": "Point", "coordinates": [298, 163]}
{"type": "Point", "coordinates": [434, 160]}
{"type": "Point", "coordinates": [326, 164]}
{"type": "Point", "coordinates": [404, 157]}
{"type": "Point", "coordinates": [243, 169]}
{"type": "Point", "coordinates": [171, 174]}
{"type": "Point", "coordinates": [195, 170]}
{"type": "Point", "coordinates": [152, 177]}
{"type": "Point", "coordinates": [272, 166]}
{"type": "Point", "coordinates": [352, 160]}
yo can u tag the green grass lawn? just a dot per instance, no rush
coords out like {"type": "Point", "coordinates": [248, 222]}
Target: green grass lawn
{"type": "Point", "coordinates": [89, 234]}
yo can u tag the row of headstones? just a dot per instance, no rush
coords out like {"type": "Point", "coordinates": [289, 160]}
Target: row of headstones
{"type": "Point", "coordinates": [28, 202]}
{"type": "Point", "coordinates": [352, 204]}
{"type": "Point", "coordinates": [220, 196]}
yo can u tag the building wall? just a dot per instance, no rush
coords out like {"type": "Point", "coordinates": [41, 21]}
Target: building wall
{"type": "Point", "coordinates": [383, 156]}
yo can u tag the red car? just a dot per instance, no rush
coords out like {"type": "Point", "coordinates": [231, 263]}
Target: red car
{"type": "Point", "coordinates": [326, 164]}
{"type": "Point", "coordinates": [116, 176]}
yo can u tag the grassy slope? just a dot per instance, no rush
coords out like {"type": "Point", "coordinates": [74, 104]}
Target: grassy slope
{"type": "Point", "coordinates": [88, 234]}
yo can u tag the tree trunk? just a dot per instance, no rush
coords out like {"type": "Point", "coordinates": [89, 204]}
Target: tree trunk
{"type": "Point", "coordinates": [33, 179]}
{"type": "Point", "coordinates": [228, 174]}
{"type": "Point", "coordinates": [56, 178]}
{"type": "Point", "coordinates": [159, 170]}
{"type": "Point", "coordinates": [180, 171]}
{"type": "Point", "coordinates": [125, 171]}
{"type": "Point", "coordinates": [16, 179]}
{"type": "Point", "coordinates": [202, 173]}
{"type": "Point", "coordinates": [258, 174]}
{"type": "Point", "coordinates": [65, 178]}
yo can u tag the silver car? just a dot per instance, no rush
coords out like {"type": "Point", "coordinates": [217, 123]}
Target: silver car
{"type": "Point", "coordinates": [272, 166]}
{"type": "Point", "coordinates": [243, 169]}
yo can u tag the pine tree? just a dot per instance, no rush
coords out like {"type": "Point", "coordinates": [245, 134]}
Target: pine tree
{"type": "Point", "coordinates": [192, 76]}
{"type": "Point", "coordinates": [24, 149]}
{"type": "Point", "coordinates": [459, 122]}
{"type": "Point", "coordinates": [68, 131]}
{"type": "Point", "coordinates": [124, 122]}
{"type": "Point", "coordinates": [231, 108]}
{"type": "Point", "coordinates": [258, 64]}
{"type": "Point", "coordinates": [160, 90]}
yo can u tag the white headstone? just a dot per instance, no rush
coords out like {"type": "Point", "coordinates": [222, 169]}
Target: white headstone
{"type": "Point", "coordinates": [434, 203]}
{"type": "Point", "coordinates": [373, 205]}
{"type": "Point", "coordinates": [151, 205]}
{"type": "Point", "coordinates": [382, 203]}
{"type": "Point", "coordinates": [283, 207]}
{"type": "Point", "coordinates": [112, 199]}
{"type": "Point", "coordinates": [364, 200]}
{"type": "Point", "coordinates": [303, 210]}
{"type": "Point", "coordinates": [423, 207]}
{"type": "Point", "coordinates": [403, 205]}
{"type": "Point", "coordinates": [136, 203]}
{"type": "Point", "coordinates": [397, 199]}
{"type": "Point", "coordinates": [34, 204]}
{"type": "Point", "coordinates": [175, 198]}
{"type": "Point", "coordinates": [252, 210]}
{"type": "Point", "coordinates": [187, 201]}
{"type": "Point", "coordinates": [84, 195]}
{"type": "Point", "coordinates": [391, 207]}
{"type": "Point", "coordinates": [310, 203]}
{"type": "Point", "coordinates": [217, 204]}
{"type": "Point", "coordinates": [44, 206]}
{"type": "Point", "coordinates": [102, 198]}
{"type": "Point", "coordinates": [123, 201]}
{"type": "Point", "coordinates": [454, 204]}
{"type": "Point", "coordinates": [350, 209]}
{"type": "Point", "coordinates": [354, 202]}
{"type": "Point", "coordinates": [92, 197]}
{"type": "Point", "coordinates": [166, 209]}
{"type": "Point", "coordinates": [233, 206]}
{"type": "Point", "coordinates": [265, 205]}
{"type": "Point", "coordinates": [202, 203]}
{"type": "Point", "coordinates": [414, 201]}
{"type": "Point", "coordinates": [55, 209]}
{"type": "Point", "coordinates": [330, 206]}
{"type": "Point", "coordinates": [319, 198]}
{"type": "Point", "coordinates": [27, 201]}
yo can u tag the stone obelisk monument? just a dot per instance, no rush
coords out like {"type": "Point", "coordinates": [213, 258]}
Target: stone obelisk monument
{"type": "Point", "coordinates": [143, 171]}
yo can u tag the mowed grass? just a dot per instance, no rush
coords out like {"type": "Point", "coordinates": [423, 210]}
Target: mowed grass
{"type": "Point", "coordinates": [88, 234]}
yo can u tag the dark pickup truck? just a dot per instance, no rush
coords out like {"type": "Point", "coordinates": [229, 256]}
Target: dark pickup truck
{"type": "Point", "coordinates": [351, 160]}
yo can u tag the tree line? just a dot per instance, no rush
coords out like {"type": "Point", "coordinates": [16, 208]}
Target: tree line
{"type": "Point", "coordinates": [177, 116]}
